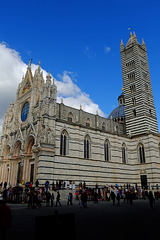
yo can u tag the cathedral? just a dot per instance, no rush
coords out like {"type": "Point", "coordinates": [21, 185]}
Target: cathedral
{"type": "Point", "coordinates": [48, 141]}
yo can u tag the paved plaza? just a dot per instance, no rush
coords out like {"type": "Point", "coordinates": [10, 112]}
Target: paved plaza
{"type": "Point", "coordinates": [97, 221]}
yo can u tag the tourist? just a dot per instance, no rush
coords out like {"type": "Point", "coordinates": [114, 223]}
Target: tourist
{"type": "Point", "coordinates": [151, 199]}
{"type": "Point", "coordinates": [113, 196]}
{"type": "Point", "coordinates": [52, 199]}
{"type": "Point", "coordinates": [118, 199]}
{"type": "Point", "coordinates": [70, 197]}
{"type": "Point", "coordinates": [48, 197]}
{"type": "Point", "coordinates": [58, 199]}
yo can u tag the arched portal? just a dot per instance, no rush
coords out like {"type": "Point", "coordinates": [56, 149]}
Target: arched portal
{"type": "Point", "coordinates": [29, 159]}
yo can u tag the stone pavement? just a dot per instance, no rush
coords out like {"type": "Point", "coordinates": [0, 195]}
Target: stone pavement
{"type": "Point", "coordinates": [97, 221]}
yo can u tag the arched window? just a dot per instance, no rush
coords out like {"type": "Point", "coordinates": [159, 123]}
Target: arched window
{"type": "Point", "coordinates": [103, 126]}
{"type": "Point", "coordinates": [88, 122]}
{"type": "Point", "coordinates": [141, 153]}
{"type": "Point", "coordinates": [87, 147]}
{"type": "Point", "coordinates": [123, 153]}
{"type": "Point", "coordinates": [17, 149]}
{"type": "Point", "coordinates": [29, 144]}
{"type": "Point", "coordinates": [63, 143]}
{"type": "Point", "coordinates": [70, 117]}
{"type": "Point", "coordinates": [106, 151]}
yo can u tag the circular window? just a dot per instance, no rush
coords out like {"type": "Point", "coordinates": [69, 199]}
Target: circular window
{"type": "Point", "coordinates": [25, 111]}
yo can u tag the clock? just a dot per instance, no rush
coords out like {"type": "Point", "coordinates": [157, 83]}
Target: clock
{"type": "Point", "coordinates": [24, 112]}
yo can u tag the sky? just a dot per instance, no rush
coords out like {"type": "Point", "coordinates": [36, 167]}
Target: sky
{"type": "Point", "coordinates": [78, 42]}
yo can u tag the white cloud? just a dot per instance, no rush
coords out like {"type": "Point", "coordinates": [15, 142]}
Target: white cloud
{"type": "Point", "coordinates": [89, 52]}
{"type": "Point", "coordinates": [12, 68]}
{"type": "Point", "coordinates": [107, 49]}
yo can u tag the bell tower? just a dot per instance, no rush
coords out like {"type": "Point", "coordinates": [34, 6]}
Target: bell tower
{"type": "Point", "coordinates": [140, 112]}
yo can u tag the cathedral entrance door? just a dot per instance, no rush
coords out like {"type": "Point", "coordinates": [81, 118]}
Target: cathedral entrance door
{"type": "Point", "coordinates": [144, 181]}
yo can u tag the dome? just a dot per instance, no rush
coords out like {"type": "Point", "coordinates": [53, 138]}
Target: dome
{"type": "Point", "coordinates": [118, 112]}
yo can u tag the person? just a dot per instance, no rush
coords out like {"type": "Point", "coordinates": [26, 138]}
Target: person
{"type": "Point", "coordinates": [48, 196]}
{"type": "Point", "coordinates": [118, 199]}
{"type": "Point", "coordinates": [151, 199]}
{"type": "Point", "coordinates": [95, 197]}
{"type": "Point", "coordinates": [70, 197]}
{"type": "Point", "coordinates": [52, 199]}
{"type": "Point", "coordinates": [58, 199]}
{"type": "Point", "coordinates": [85, 199]}
{"type": "Point", "coordinates": [5, 218]}
{"type": "Point", "coordinates": [30, 199]}
{"type": "Point", "coordinates": [38, 203]}
{"type": "Point", "coordinates": [37, 183]}
{"type": "Point", "coordinates": [113, 197]}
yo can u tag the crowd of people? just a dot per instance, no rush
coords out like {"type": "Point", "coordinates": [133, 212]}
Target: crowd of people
{"type": "Point", "coordinates": [35, 196]}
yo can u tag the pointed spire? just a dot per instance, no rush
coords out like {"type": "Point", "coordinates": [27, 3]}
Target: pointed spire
{"type": "Point", "coordinates": [39, 67]}
{"type": "Point", "coordinates": [134, 35]}
{"type": "Point", "coordinates": [121, 45]}
{"type": "Point", "coordinates": [12, 103]}
{"type": "Point", "coordinates": [29, 65]}
{"type": "Point", "coordinates": [143, 43]}
{"type": "Point", "coordinates": [48, 78]}
{"type": "Point", "coordinates": [53, 81]}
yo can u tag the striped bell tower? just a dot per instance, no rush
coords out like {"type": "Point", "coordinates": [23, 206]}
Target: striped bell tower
{"type": "Point", "coordinates": [140, 112]}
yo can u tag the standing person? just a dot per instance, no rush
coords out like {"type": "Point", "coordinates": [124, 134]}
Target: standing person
{"type": "Point", "coordinates": [151, 199]}
{"type": "Point", "coordinates": [5, 218]}
{"type": "Point", "coordinates": [113, 196]}
{"type": "Point", "coordinates": [118, 199]}
{"type": "Point", "coordinates": [52, 199]}
{"type": "Point", "coordinates": [48, 196]}
{"type": "Point", "coordinates": [70, 197]}
{"type": "Point", "coordinates": [95, 197]}
{"type": "Point", "coordinates": [85, 199]}
{"type": "Point", "coordinates": [37, 183]}
{"type": "Point", "coordinates": [58, 199]}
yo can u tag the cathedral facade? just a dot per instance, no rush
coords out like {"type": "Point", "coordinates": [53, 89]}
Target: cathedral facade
{"type": "Point", "coordinates": [48, 141]}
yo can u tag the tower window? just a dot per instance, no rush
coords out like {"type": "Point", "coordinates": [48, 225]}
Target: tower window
{"type": "Point", "coordinates": [134, 113]}
{"type": "Point", "coordinates": [141, 154]}
{"type": "Point", "coordinates": [133, 89]}
{"type": "Point", "coordinates": [131, 76]}
{"type": "Point", "coordinates": [134, 101]}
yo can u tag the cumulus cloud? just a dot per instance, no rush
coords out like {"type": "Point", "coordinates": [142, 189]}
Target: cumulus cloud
{"type": "Point", "coordinates": [12, 68]}
{"type": "Point", "coordinates": [73, 96]}
{"type": "Point", "coordinates": [107, 49]}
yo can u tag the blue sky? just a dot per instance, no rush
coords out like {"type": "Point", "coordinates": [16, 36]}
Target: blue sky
{"type": "Point", "coordinates": [83, 38]}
